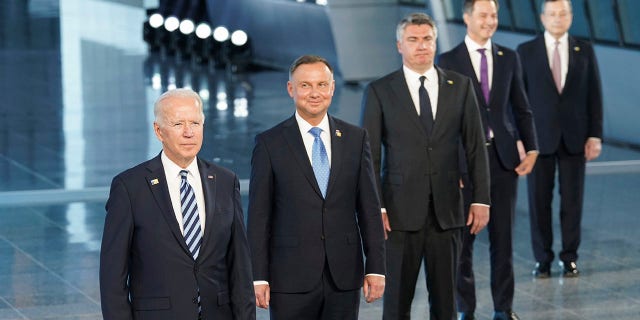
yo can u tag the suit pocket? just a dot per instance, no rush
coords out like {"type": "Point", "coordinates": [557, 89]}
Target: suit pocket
{"type": "Point", "coordinates": [142, 304]}
{"type": "Point", "coordinates": [223, 298]}
{"type": "Point", "coordinates": [287, 241]}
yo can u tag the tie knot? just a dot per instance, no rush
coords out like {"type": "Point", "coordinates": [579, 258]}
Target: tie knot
{"type": "Point", "coordinates": [422, 79]}
{"type": "Point", "coordinates": [482, 50]}
{"type": "Point", "coordinates": [183, 174]}
{"type": "Point", "coordinates": [315, 131]}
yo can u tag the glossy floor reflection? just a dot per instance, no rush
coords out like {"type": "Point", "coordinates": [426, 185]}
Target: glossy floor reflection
{"type": "Point", "coordinates": [78, 87]}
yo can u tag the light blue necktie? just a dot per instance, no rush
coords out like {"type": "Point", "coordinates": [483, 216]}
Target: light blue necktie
{"type": "Point", "coordinates": [190, 217]}
{"type": "Point", "coordinates": [320, 161]}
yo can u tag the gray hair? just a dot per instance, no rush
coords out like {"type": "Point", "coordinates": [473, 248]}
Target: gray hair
{"type": "Point", "coordinates": [416, 18]}
{"type": "Point", "coordinates": [175, 93]}
{"type": "Point", "coordinates": [544, 3]}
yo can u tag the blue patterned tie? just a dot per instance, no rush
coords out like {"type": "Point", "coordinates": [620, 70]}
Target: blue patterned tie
{"type": "Point", "coordinates": [190, 217]}
{"type": "Point", "coordinates": [320, 160]}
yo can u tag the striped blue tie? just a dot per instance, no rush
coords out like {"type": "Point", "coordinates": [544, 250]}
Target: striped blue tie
{"type": "Point", "coordinates": [190, 218]}
{"type": "Point", "coordinates": [320, 161]}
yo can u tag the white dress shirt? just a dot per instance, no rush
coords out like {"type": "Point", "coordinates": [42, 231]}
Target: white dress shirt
{"type": "Point", "coordinates": [308, 138]}
{"type": "Point", "coordinates": [476, 56]}
{"type": "Point", "coordinates": [431, 84]}
{"type": "Point", "coordinates": [563, 49]}
{"type": "Point", "coordinates": [172, 172]}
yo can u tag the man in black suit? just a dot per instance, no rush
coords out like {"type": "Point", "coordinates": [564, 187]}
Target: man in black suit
{"type": "Point", "coordinates": [497, 78]}
{"type": "Point", "coordinates": [563, 84]}
{"type": "Point", "coordinates": [174, 245]}
{"type": "Point", "coordinates": [313, 208]}
{"type": "Point", "coordinates": [421, 114]}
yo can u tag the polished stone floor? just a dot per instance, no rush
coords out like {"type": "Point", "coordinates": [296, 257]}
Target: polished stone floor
{"type": "Point", "coordinates": [78, 86]}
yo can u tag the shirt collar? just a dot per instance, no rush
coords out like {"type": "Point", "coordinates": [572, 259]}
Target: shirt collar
{"type": "Point", "coordinates": [306, 126]}
{"type": "Point", "coordinates": [413, 76]}
{"type": "Point", "coordinates": [172, 170]}
{"type": "Point", "coordinates": [550, 40]}
{"type": "Point", "coordinates": [473, 46]}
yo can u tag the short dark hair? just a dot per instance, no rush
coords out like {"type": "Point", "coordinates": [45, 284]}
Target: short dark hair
{"type": "Point", "coordinates": [416, 18]}
{"type": "Point", "coordinates": [467, 6]}
{"type": "Point", "coordinates": [308, 59]}
{"type": "Point", "coordinates": [544, 3]}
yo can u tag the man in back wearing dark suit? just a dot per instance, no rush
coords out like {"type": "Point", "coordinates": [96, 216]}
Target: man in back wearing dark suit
{"type": "Point", "coordinates": [497, 78]}
{"type": "Point", "coordinates": [174, 244]}
{"type": "Point", "coordinates": [417, 117]}
{"type": "Point", "coordinates": [313, 208]}
{"type": "Point", "coordinates": [563, 84]}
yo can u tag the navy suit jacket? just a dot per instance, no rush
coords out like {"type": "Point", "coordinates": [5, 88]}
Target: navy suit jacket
{"type": "Point", "coordinates": [508, 113]}
{"type": "Point", "coordinates": [146, 269]}
{"type": "Point", "coordinates": [573, 115]}
{"type": "Point", "coordinates": [293, 231]}
{"type": "Point", "coordinates": [411, 165]}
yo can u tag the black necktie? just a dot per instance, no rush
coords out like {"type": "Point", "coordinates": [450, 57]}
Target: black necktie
{"type": "Point", "coordinates": [426, 115]}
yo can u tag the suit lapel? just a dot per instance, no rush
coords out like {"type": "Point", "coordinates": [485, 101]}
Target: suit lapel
{"type": "Point", "coordinates": [574, 50]}
{"type": "Point", "coordinates": [445, 95]}
{"type": "Point", "coordinates": [542, 53]}
{"type": "Point", "coordinates": [291, 133]}
{"type": "Point", "coordinates": [404, 102]}
{"type": "Point", "coordinates": [208, 179]}
{"type": "Point", "coordinates": [337, 152]}
{"type": "Point", "coordinates": [158, 183]}
{"type": "Point", "coordinates": [498, 73]}
{"type": "Point", "coordinates": [461, 53]}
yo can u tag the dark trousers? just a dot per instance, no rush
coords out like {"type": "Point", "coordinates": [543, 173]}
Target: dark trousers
{"type": "Point", "coordinates": [405, 253]}
{"type": "Point", "coordinates": [324, 302]}
{"type": "Point", "coordinates": [504, 185]}
{"type": "Point", "coordinates": [571, 172]}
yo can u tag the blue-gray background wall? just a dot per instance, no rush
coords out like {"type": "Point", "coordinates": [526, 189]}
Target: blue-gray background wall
{"type": "Point", "coordinates": [358, 37]}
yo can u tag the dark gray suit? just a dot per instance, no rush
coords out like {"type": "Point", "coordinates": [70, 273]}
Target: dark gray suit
{"type": "Point", "coordinates": [418, 177]}
{"type": "Point", "coordinates": [146, 269]}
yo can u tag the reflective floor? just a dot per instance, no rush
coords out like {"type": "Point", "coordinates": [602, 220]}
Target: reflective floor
{"type": "Point", "coordinates": [77, 89]}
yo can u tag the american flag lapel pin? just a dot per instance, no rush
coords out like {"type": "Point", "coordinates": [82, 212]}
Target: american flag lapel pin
{"type": "Point", "coordinates": [154, 181]}
{"type": "Point", "coordinates": [210, 177]}
{"type": "Point", "coordinates": [338, 133]}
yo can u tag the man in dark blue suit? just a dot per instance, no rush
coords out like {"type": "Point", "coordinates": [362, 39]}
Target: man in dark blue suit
{"type": "Point", "coordinates": [174, 245]}
{"type": "Point", "coordinates": [313, 208]}
{"type": "Point", "coordinates": [417, 117]}
{"type": "Point", "coordinates": [497, 78]}
{"type": "Point", "coordinates": [563, 84]}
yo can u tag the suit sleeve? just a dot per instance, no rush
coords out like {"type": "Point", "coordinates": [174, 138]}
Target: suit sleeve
{"type": "Point", "coordinates": [595, 97]}
{"type": "Point", "coordinates": [239, 264]}
{"type": "Point", "coordinates": [369, 216]}
{"type": "Point", "coordinates": [475, 149]}
{"type": "Point", "coordinates": [521, 108]}
{"type": "Point", "coordinates": [259, 212]}
{"type": "Point", "coordinates": [371, 120]}
{"type": "Point", "coordinates": [114, 254]}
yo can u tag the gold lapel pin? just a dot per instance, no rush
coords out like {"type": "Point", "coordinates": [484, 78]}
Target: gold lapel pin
{"type": "Point", "coordinates": [500, 53]}
{"type": "Point", "coordinates": [450, 81]}
{"type": "Point", "coordinates": [338, 133]}
{"type": "Point", "coordinates": [154, 182]}
{"type": "Point", "coordinates": [576, 48]}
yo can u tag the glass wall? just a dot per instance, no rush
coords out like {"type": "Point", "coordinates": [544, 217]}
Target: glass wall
{"type": "Point", "coordinates": [611, 22]}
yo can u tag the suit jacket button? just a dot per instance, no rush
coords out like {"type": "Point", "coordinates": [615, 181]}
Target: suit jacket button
{"type": "Point", "coordinates": [195, 268]}
{"type": "Point", "coordinates": [195, 300]}
{"type": "Point", "coordinates": [322, 237]}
